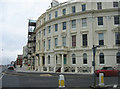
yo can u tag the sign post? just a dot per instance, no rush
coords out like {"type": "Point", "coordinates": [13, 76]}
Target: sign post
{"type": "Point", "coordinates": [93, 63]}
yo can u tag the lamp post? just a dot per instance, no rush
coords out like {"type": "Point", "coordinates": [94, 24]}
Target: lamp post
{"type": "Point", "coordinates": [93, 64]}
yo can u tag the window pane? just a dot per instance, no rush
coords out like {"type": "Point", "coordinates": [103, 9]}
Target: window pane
{"type": "Point", "coordinates": [74, 41]}
{"type": "Point", "coordinates": [99, 5]}
{"type": "Point", "coordinates": [100, 20]}
{"type": "Point", "coordinates": [116, 20]}
{"type": "Point", "coordinates": [73, 9]}
{"type": "Point", "coordinates": [64, 25]}
{"type": "Point", "coordinates": [64, 11]}
{"type": "Point", "coordinates": [56, 60]}
{"type": "Point", "coordinates": [84, 22]}
{"type": "Point", "coordinates": [101, 38]}
{"type": "Point", "coordinates": [44, 32]}
{"type": "Point", "coordinates": [56, 27]}
{"type": "Point", "coordinates": [115, 4]}
{"type": "Point", "coordinates": [64, 41]}
{"type": "Point", "coordinates": [48, 59]}
{"type": "Point", "coordinates": [84, 58]}
{"type": "Point", "coordinates": [49, 16]}
{"type": "Point", "coordinates": [56, 14]}
{"type": "Point", "coordinates": [101, 57]}
{"type": "Point", "coordinates": [73, 59]}
{"type": "Point", "coordinates": [44, 44]}
{"type": "Point", "coordinates": [118, 57]}
{"type": "Point", "coordinates": [49, 41]}
{"type": "Point", "coordinates": [65, 59]}
{"type": "Point", "coordinates": [84, 7]}
{"type": "Point", "coordinates": [73, 23]}
{"type": "Point", "coordinates": [84, 37]}
{"type": "Point", "coordinates": [49, 29]}
{"type": "Point", "coordinates": [56, 42]}
{"type": "Point", "coordinates": [117, 38]}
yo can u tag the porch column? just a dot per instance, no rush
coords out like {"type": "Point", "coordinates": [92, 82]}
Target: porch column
{"type": "Point", "coordinates": [36, 63]}
{"type": "Point", "coordinates": [92, 70]}
{"type": "Point", "coordinates": [47, 68]}
{"type": "Point", "coordinates": [39, 64]}
{"type": "Point", "coordinates": [55, 63]}
{"type": "Point", "coordinates": [59, 59]}
{"type": "Point", "coordinates": [31, 63]}
{"type": "Point", "coordinates": [62, 68]}
{"type": "Point", "coordinates": [76, 69]}
{"type": "Point", "coordinates": [41, 67]}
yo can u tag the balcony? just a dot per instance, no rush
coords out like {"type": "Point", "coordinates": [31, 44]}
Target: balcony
{"type": "Point", "coordinates": [32, 22]}
{"type": "Point", "coordinates": [31, 27]}
{"type": "Point", "coordinates": [61, 48]}
{"type": "Point", "coordinates": [30, 51]}
{"type": "Point", "coordinates": [31, 30]}
{"type": "Point", "coordinates": [30, 39]}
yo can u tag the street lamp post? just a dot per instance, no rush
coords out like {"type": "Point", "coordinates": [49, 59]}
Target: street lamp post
{"type": "Point", "coordinates": [94, 52]}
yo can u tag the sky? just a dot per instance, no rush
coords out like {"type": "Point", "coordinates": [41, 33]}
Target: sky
{"type": "Point", "coordinates": [14, 15]}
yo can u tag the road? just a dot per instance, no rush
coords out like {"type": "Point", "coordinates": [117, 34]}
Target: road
{"type": "Point", "coordinates": [44, 80]}
{"type": "Point", "coordinates": [14, 79]}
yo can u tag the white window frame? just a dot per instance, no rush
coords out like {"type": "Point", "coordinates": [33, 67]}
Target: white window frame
{"type": "Point", "coordinates": [84, 22]}
{"type": "Point", "coordinates": [56, 42]}
{"type": "Point", "coordinates": [64, 41]}
{"type": "Point", "coordinates": [73, 23]}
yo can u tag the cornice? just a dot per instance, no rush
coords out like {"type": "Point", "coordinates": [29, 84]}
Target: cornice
{"type": "Point", "coordinates": [76, 14]}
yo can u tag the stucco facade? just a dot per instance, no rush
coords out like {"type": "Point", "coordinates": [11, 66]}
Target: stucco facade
{"type": "Point", "coordinates": [66, 33]}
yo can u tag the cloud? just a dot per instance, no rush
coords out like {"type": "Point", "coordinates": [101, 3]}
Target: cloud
{"type": "Point", "coordinates": [7, 56]}
{"type": "Point", "coordinates": [14, 15]}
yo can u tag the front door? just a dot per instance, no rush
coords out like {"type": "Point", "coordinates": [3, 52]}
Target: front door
{"type": "Point", "coordinates": [43, 60]}
{"type": "Point", "coordinates": [65, 59]}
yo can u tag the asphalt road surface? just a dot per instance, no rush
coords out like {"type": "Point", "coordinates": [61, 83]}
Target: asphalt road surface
{"type": "Point", "coordinates": [14, 79]}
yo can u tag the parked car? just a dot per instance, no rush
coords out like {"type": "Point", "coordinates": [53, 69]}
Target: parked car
{"type": "Point", "coordinates": [11, 67]}
{"type": "Point", "coordinates": [108, 71]}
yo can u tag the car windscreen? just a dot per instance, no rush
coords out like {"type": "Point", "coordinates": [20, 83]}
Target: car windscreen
{"type": "Point", "coordinates": [107, 68]}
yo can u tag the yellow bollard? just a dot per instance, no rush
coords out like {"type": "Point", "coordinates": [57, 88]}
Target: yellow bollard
{"type": "Point", "coordinates": [101, 79]}
{"type": "Point", "coordinates": [61, 81]}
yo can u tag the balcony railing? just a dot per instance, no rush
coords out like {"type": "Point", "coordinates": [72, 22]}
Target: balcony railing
{"type": "Point", "coordinates": [30, 39]}
{"type": "Point", "coordinates": [61, 48]}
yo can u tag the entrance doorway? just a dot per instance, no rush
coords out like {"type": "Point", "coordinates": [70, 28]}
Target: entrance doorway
{"type": "Point", "coordinates": [43, 60]}
{"type": "Point", "coordinates": [65, 59]}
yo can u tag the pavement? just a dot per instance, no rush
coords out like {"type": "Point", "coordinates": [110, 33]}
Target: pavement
{"type": "Point", "coordinates": [23, 69]}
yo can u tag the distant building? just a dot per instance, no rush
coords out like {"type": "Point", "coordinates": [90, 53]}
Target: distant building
{"type": "Point", "coordinates": [25, 53]}
{"type": "Point", "coordinates": [19, 59]}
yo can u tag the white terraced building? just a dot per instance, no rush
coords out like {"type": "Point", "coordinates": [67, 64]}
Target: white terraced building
{"type": "Point", "coordinates": [66, 33]}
